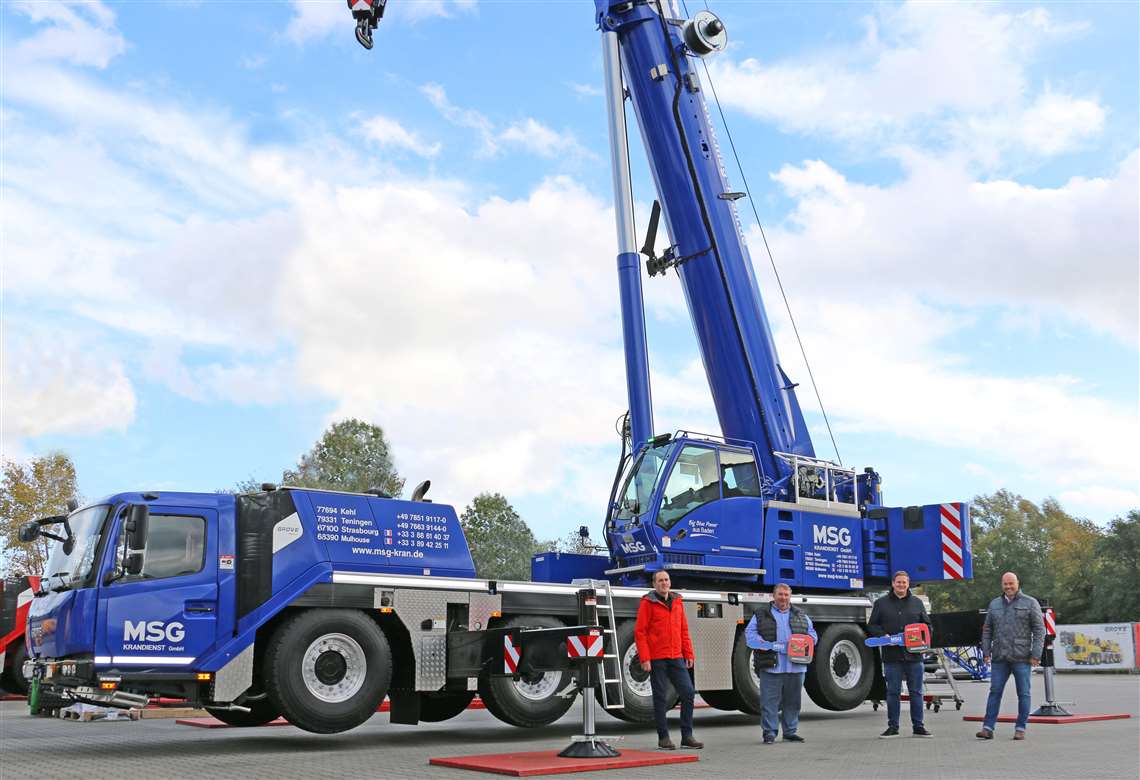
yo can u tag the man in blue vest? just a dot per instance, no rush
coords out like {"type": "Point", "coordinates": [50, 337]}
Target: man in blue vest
{"type": "Point", "coordinates": [781, 681]}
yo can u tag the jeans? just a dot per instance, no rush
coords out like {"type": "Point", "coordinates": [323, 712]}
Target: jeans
{"type": "Point", "coordinates": [664, 671]}
{"type": "Point", "coordinates": [895, 672]}
{"type": "Point", "coordinates": [999, 676]}
{"type": "Point", "coordinates": [780, 694]}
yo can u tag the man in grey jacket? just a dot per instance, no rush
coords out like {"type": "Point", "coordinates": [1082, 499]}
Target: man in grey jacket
{"type": "Point", "coordinates": [1013, 636]}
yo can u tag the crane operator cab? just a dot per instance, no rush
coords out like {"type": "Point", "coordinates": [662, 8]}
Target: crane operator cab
{"type": "Point", "coordinates": [703, 508]}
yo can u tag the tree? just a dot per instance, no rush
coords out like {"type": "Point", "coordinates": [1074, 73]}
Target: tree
{"type": "Point", "coordinates": [1085, 573]}
{"type": "Point", "coordinates": [351, 455]}
{"type": "Point", "coordinates": [1116, 578]}
{"type": "Point", "coordinates": [501, 542]}
{"type": "Point", "coordinates": [39, 488]}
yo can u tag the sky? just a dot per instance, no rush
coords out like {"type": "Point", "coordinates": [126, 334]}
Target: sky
{"type": "Point", "coordinates": [225, 225]}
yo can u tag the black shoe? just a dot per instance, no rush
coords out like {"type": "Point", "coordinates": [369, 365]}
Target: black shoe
{"type": "Point", "coordinates": [920, 731]}
{"type": "Point", "coordinates": [691, 743]}
{"type": "Point", "coordinates": [769, 739]}
{"type": "Point", "coordinates": [665, 744]}
{"type": "Point", "coordinates": [890, 733]}
{"type": "Point", "coordinates": [793, 738]}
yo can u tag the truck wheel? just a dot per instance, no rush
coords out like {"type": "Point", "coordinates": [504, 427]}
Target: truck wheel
{"type": "Point", "coordinates": [721, 700]}
{"type": "Point", "coordinates": [328, 670]}
{"type": "Point", "coordinates": [261, 711]}
{"type": "Point", "coordinates": [636, 689]}
{"type": "Point", "coordinates": [531, 701]}
{"type": "Point", "coordinates": [14, 679]}
{"type": "Point", "coordinates": [745, 681]}
{"type": "Point", "coordinates": [841, 675]}
{"type": "Point", "coordinates": [443, 705]}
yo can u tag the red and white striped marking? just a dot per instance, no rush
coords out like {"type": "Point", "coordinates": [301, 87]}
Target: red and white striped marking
{"type": "Point", "coordinates": [585, 646]}
{"type": "Point", "coordinates": [510, 656]}
{"type": "Point", "coordinates": [1050, 623]}
{"type": "Point", "coordinates": [951, 541]}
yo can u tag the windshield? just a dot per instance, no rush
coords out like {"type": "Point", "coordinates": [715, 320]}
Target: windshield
{"type": "Point", "coordinates": [638, 489]}
{"type": "Point", "coordinates": [65, 570]}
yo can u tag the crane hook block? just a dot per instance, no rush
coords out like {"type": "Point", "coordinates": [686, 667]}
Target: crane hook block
{"type": "Point", "coordinates": [367, 14]}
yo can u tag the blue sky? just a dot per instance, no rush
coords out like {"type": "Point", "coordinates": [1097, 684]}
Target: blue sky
{"type": "Point", "coordinates": [226, 225]}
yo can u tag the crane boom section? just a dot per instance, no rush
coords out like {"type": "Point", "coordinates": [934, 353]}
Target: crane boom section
{"type": "Point", "coordinates": [753, 397]}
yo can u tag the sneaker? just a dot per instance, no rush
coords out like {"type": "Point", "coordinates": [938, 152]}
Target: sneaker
{"type": "Point", "coordinates": [793, 738]}
{"type": "Point", "coordinates": [985, 734]}
{"type": "Point", "coordinates": [920, 731]}
{"type": "Point", "coordinates": [769, 739]}
{"type": "Point", "coordinates": [665, 744]}
{"type": "Point", "coordinates": [691, 743]}
{"type": "Point", "coordinates": [1019, 735]}
{"type": "Point", "coordinates": [890, 733]}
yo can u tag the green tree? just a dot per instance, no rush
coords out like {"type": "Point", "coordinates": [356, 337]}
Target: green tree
{"type": "Point", "coordinates": [501, 542]}
{"type": "Point", "coordinates": [351, 455]}
{"type": "Point", "coordinates": [1052, 553]}
{"type": "Point", "coordinates": [39, 488]}
{"type": "Point", "coordinates": [1116, 578]}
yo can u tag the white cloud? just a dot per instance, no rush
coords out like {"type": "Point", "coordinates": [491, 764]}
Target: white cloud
{"type": "Point", "coordinates": [82, 33]}
{"type": "Point", "coordinates": [927, 72]}
{"type": "Point", "coordinates": [388, 133]}
{"type": "Point", "coordinates": [58, 382]}
{"type": "Point", "coordinates": [1108, 500]}
{"type": "Point", "coordinates": [316, 19]}
{"type": "Point", "coordinates": [536, 137]}
{"type": "Point", "coordinates": [1068, 253]}
{"type": "Point", "coordinates": [528, 134]}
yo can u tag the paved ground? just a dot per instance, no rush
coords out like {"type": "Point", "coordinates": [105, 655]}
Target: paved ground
{"type": "Point", "coordinates": [840, 745]}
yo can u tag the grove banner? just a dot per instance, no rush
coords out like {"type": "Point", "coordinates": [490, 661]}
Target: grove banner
{"type": "Point", "coordinates": [1095, 646]}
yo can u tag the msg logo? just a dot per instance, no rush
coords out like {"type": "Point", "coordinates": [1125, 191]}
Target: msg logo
{"type": "Point", "coordinates": [153, 631]}
{"type": "Point", "coordinates": [632, 547]}
{"type": "Point", "coordinates": [831, 534]}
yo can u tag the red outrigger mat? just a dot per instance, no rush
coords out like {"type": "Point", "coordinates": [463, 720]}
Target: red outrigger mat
{"type": "Point", "coordinates": [548, 762]}
{"type": "Point", "coordinates": [1052, 718]}
{"type": "Point", "coordinates": [12, 697]}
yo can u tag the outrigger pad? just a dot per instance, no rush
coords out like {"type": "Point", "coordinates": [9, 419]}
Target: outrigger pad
{"type": "Point", "coordinates": [1053, 718]}
{"type": "Point", "coordinates": [547, 762]}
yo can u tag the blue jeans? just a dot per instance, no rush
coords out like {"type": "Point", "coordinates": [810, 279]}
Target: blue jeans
{"type": "Point", "coordinates": [780, 702]}
{"type": "Point", "coordinates": [999, 676]}
{"type": "Point", "coordinates": [664, 671]}
{"type": "Point", "coordinates": [895, 672]}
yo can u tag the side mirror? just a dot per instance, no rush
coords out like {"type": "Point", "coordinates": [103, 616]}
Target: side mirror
{"type": "Point", "coordinates": [138, 523]}
{"type": "Point", "coordinates": [29, 531]}
{"type": "Point", "coordinates": [72, 504]}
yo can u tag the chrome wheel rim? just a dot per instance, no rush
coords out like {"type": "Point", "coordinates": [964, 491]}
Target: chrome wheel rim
{"type": "Point", "coordinates": [632, 665]}
{"type": "Point", "coordinates": [333, 668]}
{"type": "Point", "coordinates": [846, 664]}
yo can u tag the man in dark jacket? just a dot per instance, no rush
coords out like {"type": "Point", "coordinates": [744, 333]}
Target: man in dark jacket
{"type": "Point", "coordinates": [1014, 636]}
{"type": "Point", "coordinates": [891, 614]}
{"type": "Point", "coordinates": [666, 652]}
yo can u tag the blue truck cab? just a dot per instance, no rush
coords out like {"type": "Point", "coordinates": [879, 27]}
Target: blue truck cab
{"type": "Point", "coordinates": [212, 569]}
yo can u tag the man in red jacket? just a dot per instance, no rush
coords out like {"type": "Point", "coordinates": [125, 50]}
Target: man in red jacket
{"type": "Point", "coordinates": [666, 652]}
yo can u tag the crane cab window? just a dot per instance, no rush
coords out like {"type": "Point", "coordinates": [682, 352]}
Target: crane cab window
{"type": "Point", "coordinates": [738, 472]}
{"type": "Point", "coordinates": [693, 482]}
{"type": "Point", "coordinates": [175, 547]}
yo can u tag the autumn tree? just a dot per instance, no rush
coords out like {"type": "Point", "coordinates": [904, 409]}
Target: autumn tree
{"type": "Point", "coordinates": [501, 542]}
{"type": "Point", "coordinates": [351, 455]}
{"type": "Point", "coordinates": [1115, 580]}
{"type": "Point", "coordinates": [38, 488]}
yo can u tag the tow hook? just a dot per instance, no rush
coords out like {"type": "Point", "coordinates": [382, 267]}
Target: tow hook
{"type": "Point", "coordinates": [367, 14]}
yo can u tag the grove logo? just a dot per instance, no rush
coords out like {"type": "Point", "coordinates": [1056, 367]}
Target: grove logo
{"type": "Point", "coordinates": [153, 631]}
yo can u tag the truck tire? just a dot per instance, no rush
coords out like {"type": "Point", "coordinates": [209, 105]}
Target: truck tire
{"type": "Point", "coordinates": [14, 680]}
{"type": "Point", "coordinates": [745, 681]}
{"type": "Point", "coordinates": [328, 670]}
{"type": "Point", "coordinates": [721, 700]}
{"type": "Point", "coordinates": [527, 703]}
{"type": "Point", "coordinates": [261, 711]}
{"type": "Point", "coordinates": [637, 693]}
{"type": "Point", "coordinates": [843, 671]}
{"type": "Point", "coordinates": [443, 705]}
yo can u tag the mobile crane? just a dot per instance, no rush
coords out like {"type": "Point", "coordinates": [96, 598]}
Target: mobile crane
{"type": "Point", "coordinates": [316, 605]}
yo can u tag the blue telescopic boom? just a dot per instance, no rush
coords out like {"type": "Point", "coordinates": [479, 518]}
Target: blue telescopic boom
{"type": "Point", "coordinates": [754, 399]}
